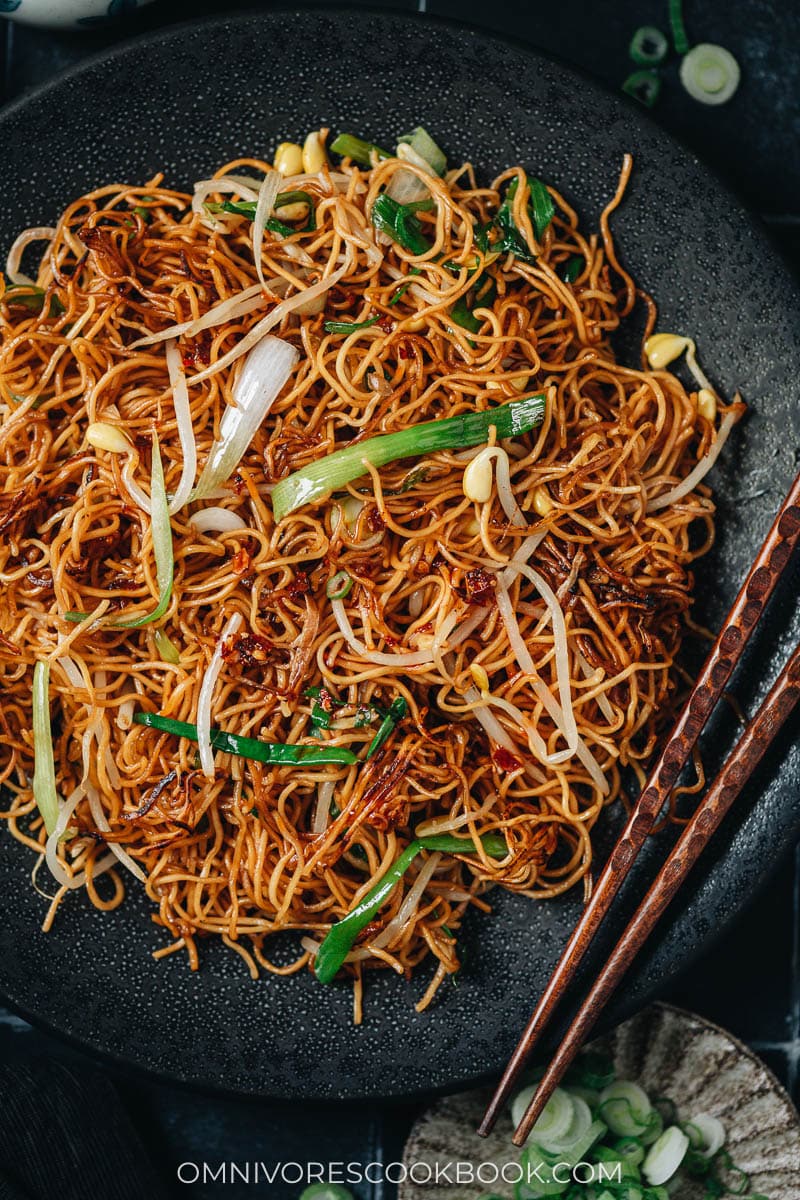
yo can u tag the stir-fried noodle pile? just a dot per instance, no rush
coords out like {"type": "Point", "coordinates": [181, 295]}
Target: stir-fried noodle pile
{"type": "Point", "coordinates": [510, 633]}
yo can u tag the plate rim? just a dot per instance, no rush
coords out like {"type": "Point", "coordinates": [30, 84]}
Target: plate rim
{"type": "Point", "coordinates": [637, 116]}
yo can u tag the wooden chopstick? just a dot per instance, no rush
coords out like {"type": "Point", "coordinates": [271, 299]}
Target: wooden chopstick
{"type": "Point", "coordinates": [748, 752]}
{"type": "Point", "coordinates": [725, 653]}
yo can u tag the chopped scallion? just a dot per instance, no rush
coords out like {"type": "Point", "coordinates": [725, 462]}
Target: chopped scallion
{"type": "Point", "coordinates": [338, 586]}
{"type": "Point", "coordinates": [680, 39]}
{"type": "Point", "coordinates": [397, 710]}
{"type": "Point", "coordinates": [350, 146]}
{"type": "Point", "coordinates": [275, 753]}
{"type": "Point", "coordinates": [44, 769]}
{"type": "Point", "coordinates": [451, 433]}
{"type": "Point", "coordinates": [400, 224]}
{"type": "Point", "coordinates": [648, 46]}
{"type": "Point", "coordinates": [423, 144]}
{"type": "Point", "coordinates": [644, 86]}
{"type": "Point", "coordinates": [340, 937]}
{"type": "Point", "coordinates": [346, 327]}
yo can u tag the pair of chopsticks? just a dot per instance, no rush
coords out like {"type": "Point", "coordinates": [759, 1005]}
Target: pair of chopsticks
{"type": "Point", "coordinates": [758, 586]}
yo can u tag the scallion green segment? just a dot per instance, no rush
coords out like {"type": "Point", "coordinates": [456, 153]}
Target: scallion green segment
{"type": "Point", "coordinates": [247, 208]}
{"type": "Point", "coordinates": [501, 235]}
{"type": "Point", "coordinates": [44, 768]}
{"type": "Point", "coordinates": [346, 327]}
{"type": "Point", "coordinates": [161, 531]}
{"type": "Point", "coordinates": [572, 268]}
{"type": "Point", "coordinates": [339, 585]}
{"type": "Point", "coordinates": [399, 222]}
{"type": "Point", "coordinates": [274, 753]}
{"type": "Point", "coordinates": [423, 144]}
{"type": "Point", "coordinates": [350, 146]}
{"type": "Point", "coordinates": [32, 297]}
{"type": "Point", "coordinates": [450, 433]}
{"type": "Point", "coordinates": [648, 46]}
{"type": "Point", "coordinates": [340, 937]}
{"type": "Point", "coordinates": [397, 710]}
{"type": "Point", "coordinates": [680, 39]}
{"type": "Point", "coordinates": [644, 86]}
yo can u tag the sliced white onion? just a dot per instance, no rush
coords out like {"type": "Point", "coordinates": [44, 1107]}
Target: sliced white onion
{"type": "Point", "coordinates": [266, 199]}
{"type": "Point", "coordinates": [415, 658]}
{"type": "Point", "coordinates": [203, 720]}
{"type": "Point", "coordinates": [701, 470]}
{"type": "Point", "coordinates": [322, 808]}
{"type": "Point", "coordinates": [270, 321]}
{"type": "Point", "coordinates": [218, 520]}
{"type": "Point", "coordinates": [39, 233]}
{"type": "Point", "coordinates": [665, 1156]}
{"type": "Point", "coordinates": [238, 185]}
{"type": "Point", "coordinates": [711, 1131]}
{"type": "Point", "coordinates": [240, 305]}
{"type": "Point", "coordinates": [267, 368]}
{"type": "Point", "coordinates": [415, 603]}
{"type": "Point", "coordinates": [406, 187]}
{"type": "Point", "coordinates": [409, 905]}
{"type": "Point", "coordinates": [183, 416]}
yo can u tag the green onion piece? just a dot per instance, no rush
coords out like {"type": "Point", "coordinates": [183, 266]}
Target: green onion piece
{"type": "Point", "coordinates": [322, 710]}
{"type": "Point", "coordinates": [494, 844]}
{"type": "Point", "coordinates": [326, 1191]}
{"type": "Point", "coordinates": [397, 710]}
{"type": "Point", "coordinates": [463, 316]}
{"type": "Point", "coordinates": [449, 433]}
{"type": "Point", "coordinates": [276, 753]}
{"type": "Point", "coordinates": [644, 86]}
{"type": "Point", "coordinates": [401, 291]}
{"type": "Point", "coordinates": [44, 769]}
{"type": "Point", "coordinates": [27, 296]}
{"type": "Point", "coordinates": [710, 73]}
{"type": "Point", "coordinates": [166, 648]}
{"type": "Point", "coordinates": [572, 268]}
{"type": "Point", "coordinates": [340, 937]}
{"type": "Point", "coordinates": [680, 39]}
{"type": "Point", "coordinates": [483, 295]}
{"type": "Point", "coordinates": [648, 46]}
{"type": "Point", "coordinates": [349, 326]}
{"type": "Point", "coordinates": [399, 223]}
{"type": "Point", "coordinates": [423, 144]}
{"type": "Point", "coordinates": [338, 586]}
{"type": "Point", "coordinates": [542, 206]}
{"type": "Point", "coordinates": [162, 546]}
{"type": "Point", "coordinates": [247, 208]}
{"type": "Point", "coordinates": [350, 146]}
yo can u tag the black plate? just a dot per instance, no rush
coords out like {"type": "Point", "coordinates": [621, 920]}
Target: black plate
{"type": "Point", "coordinates": [183, 102]}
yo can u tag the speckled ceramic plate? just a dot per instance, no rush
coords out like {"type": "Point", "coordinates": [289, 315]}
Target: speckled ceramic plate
{"type": "Point", "coordinates": [699, 1066]}
{"type": "Point", "coordinates": [156, 105]}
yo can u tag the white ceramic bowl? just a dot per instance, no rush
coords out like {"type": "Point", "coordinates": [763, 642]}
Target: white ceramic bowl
{"type": "Point", "coordinates": [68, 14]}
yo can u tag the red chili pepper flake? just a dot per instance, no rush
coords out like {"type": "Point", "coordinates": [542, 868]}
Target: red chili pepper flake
{"type": "Point", "coordinates": [504, 760]}
{"type": "Point", "coordinates": [478, 587]}
{"type": "Point", "coordinates": [374, 519]}
{"type": "Point", "coordinates": [251, 649]}
{"type": "Point", "coordinates": [325, 700]}
{"type": "Point", "coordinates": [300, 586]}
{"type": "Point", "coordinates": [386, 324]}
{"type": "Point", "coordinates": [238, 483]}
{"type": "Point", "coordinates": [403, 350]}
{"type": "Point", "coordinates": [197, 352]}
{"type": "Point", "coordinates": [242, 561]}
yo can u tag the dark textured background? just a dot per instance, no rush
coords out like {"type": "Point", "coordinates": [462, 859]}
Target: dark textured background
{"type": "Point", "coordinates": [750, 982]}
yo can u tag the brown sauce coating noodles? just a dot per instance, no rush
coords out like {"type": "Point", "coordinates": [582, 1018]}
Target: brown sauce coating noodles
{"type": "Point", "coordinates": [254, 851]}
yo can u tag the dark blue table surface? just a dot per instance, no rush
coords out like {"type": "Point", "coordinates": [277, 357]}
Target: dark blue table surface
{"type": "Point", "coordinates": [751, 982]}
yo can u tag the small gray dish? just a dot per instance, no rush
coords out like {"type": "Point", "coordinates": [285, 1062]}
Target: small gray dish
{"type": "Point", "coordinates": [673, 1053]}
